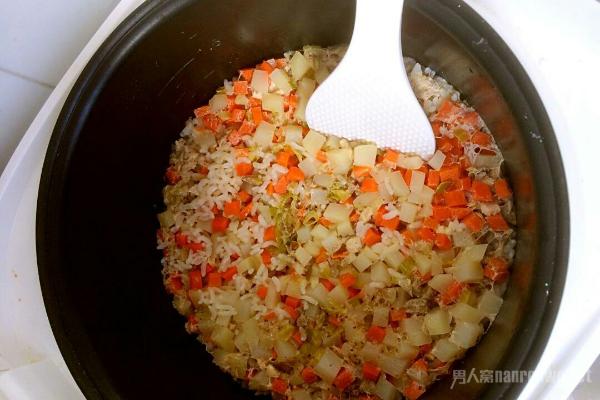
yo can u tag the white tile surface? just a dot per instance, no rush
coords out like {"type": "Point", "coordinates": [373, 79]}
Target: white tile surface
{"type": "Point", "coordinates": [20, 101]}
{"type": "Point", "coordinates": [41, 38]}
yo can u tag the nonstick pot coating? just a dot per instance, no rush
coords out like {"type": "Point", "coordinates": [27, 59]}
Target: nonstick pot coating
{"type": "Point", "coordinates": [102, 179]}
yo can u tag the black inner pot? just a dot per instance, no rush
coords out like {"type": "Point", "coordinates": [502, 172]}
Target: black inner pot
{"type": "Point", "coordinates": [102, 179]}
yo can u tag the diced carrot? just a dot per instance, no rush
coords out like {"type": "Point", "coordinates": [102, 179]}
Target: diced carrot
{"type": "Point", "coordinates": [441, 213]}
{"type": "Point", "coordinates": [371, 237]}
{"type": "Point", "coordinates": [242, 152]}
{"type": "Point", "coordinates": [293, 302]}
{"type": "Point", "coordinates": [212, 122]}
{"type": "Point", "coordinates": [262, 291]}
{"type": "Point", "coordinates": [413, 391]}
{"type": "Point", "coordinates": [379, 219]}
{"type": "Point", "coordinates": [450, 173]}
{"type": "Point", "coordinates": [202, 111]}
{"type": "Point", "coordinates": [442, 241]}
{"type": "Point", "coordinates": [359, 172]}
{"type": "Point", "coordinates": [426, 234]}
{"type": "Point", "coordinates": [447, 108]}
{"type": "Point", "coordinates": [270, 188]}
{"type": "Point", "coordinates": [174, 284]}
{"type": "Point", "coordinates": [376, 334]}
{"type": "Point", "coordinates": [398, 315]}
{"type": "Point", "coordinates": [234, 137]}
{"type": "Point", "coordinates": [246, 210]}
{"type": "Point", "coordinates": [391, 157]}
{"type": "Point", "coordinates": [172, 176]}
{"type": "Point", "coordinates": [371, 371]}
{"type": "Point", "coordinates": [269, 233]}
{"type": "Point", "coordinates": [502, 189]}
{"type": "Point", "coordinates": [214, 279]}
{"type": "Point", "coordinates": [269, 316]}
{"type": "Point", "coordinates": [246, 74]}
{"type": "Point", "coordinates": [352, 292]}
{"type": "Point", "coordinates": [333, 320]}
{"type": "Point", "coordinates": [321, 156]}
{"type": "Point", "coordinates": [202, 170]}
{"type": "Point", "coordinates": [199, 246]}
{"type": "Point", "coordinates": [246, 128]}
{"type": "Point", "coordinates": [265, 255]}
{"type": "Point", "coordinates": [369, 185]}
{"type": "Point", "coordinates": [496, 269]}
{"type": "Point", "coordinates": [181, 239]}
{"type": "Point", "coordinates": [237, 115]}
{"type": "Point", "coordinates": [195, 277]}
{"type": "Point", "coordinates": [481, 191]}
{"type": "Point", "coordinates": [464, 183]}
{"type": "Point", "coordinates": [407, 176]}
{"type": "Point", "coordinates": [460, 212]}
{"type": "Point", "coordinates": [279, 385]}
{"type": "Point", "coordinates": [281, 185]}
{"type": "Point", "coordinates": [291, 101]}
{"type": "Point", "coordinates": [425, 348]}
{"type": "Point", "coordinates": [327, 283]}
{"type": "Point", "coordinates": [232, 208]}
{"type": "Point", "coordinates": [244, 196]}
{"type": "Point", "coordinates": [292, 312]}
{"type": "Point", "coordinates": [244, 169]}
{"type": "Point", "coordinates": [409, 237]}
{"type": "Point", "coordinates": [295, 174]}
{"type": "Point", "coordinates": [481, 138]}
{"type": "Point", "coordinates": [355, 216]}
{"type": "Point", "coordinates": [257, 115]}
{"type": "Point", "coordinates": [220, 224]}
{"type": "Point", "coordinates": [347, 280]}
{"type": "Point", "coordinates": [497, 222]}
{"type": "Point", "coordinates": [455, 198]}
{"type": "Point", "coordinates": [266, 66]}
{"type": "Point", "coordinates": [297, 337]}
{"type": "Point", "coordinates": [283, 157]}
{"type": "Point", "coordinates": [325, 222]}
{"type": "Point", "coordinates": [308, 375]}
{"type": "Point", "coordinates": [229, 273]}
{"type": "Point", "coordinates": [433, 179]}
{"type": "Point", "coordinates": [452, 293]}
{"type": "Point", "coordinates": [343, 379]}
{"type": "Point", "coordinates": [420, 365]}
{"type": "Point", "coordinates": [322, 256]}
{"type": "Point", "coordinates": [474, 222]}
{"type": "Point", "coordinates": [431, 223]}
{"type": "Point", "coordinates": [240, 87]}
{"type": "Point", "coordinates": [280, 63]}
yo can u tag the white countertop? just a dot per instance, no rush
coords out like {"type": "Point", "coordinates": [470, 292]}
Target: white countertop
{"type": "Point", "coordinates": [40, 39]}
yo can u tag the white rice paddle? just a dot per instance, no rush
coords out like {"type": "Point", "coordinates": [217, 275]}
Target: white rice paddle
{"type": "Point", "coordinates": [368, 96]}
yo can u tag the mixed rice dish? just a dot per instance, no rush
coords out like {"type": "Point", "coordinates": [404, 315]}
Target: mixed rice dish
{"type": "Point", "coordinates": [313, 267]}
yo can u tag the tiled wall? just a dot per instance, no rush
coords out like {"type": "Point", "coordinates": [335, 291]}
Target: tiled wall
{"type": "Point", "coordinates": [39, 39]}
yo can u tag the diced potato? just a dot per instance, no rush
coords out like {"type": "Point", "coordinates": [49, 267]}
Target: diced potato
{"type": "Point", "coordinates": [323, 180]}
{"type": "Point", "coordinates": [437, 160]}
{"type": "Point", "coordinates": [313, 248]}
{"type": "Point", "coordinates": [398, 184]}
{"type": "Point", "coordinates": [319, 293]}
{"type": "Point", "coordinates": [309, 166]}
{"type": "Point", "coordinates": [260, 81]}
{"type": "Point", "coordinates": [445, 350]}
{"type": "Point", "coordinates": [423, 263]}
{"type": "Point", "coordinates": [306, 87]}
{"type": "Point", "coordinates": [441, 282]}
{"type": "Point", "coordinates": [390, 364]}
{"type": "Point", "coordinates": [362, 262]}
{"type": "Point", "coordinates": [273, 298]}
{"type": "Point", "coordinates": [415, 333]}
{"type": "Point", "coordinates": [490, 303]}
{"type": "Point", "coordinates": [337, 213]}
{"type": "Point", "coordinates": [466, 313]}
{"type": "Point", "coordinates": [331, 243]}
{"type": "Point", "coordinates": [282, 80]}
{"type": "Point", "coordinates": [408, 212]}
{"type": "Point", "coordinates": [328, 366]}
{"type": "Point", "coordinates": [371, 351]}
{"type": "Point", "coordinates": [379, 273]}
{"type": "Point", "coordinates": [250, 262]}
{"type": "Point", "coordinates": [380, 316]}
{"type": "Point", "coordinates": [241, 100]}
{"type": "Point", "coordinates": [417, 180]}
{"type": "Point", "coordinates": [299, 66]}
{"type": "Point", "coordinates": [285, 351]}
{"type": "Point", "coordinates": [321, 74]}
{"type": "Point", "coordinates": [468, 272]}
{"type": "Point", "coordinates": [369, 199]}
{"type": "Point", "coordinates": [301, 394]}
{"type": "Point", "coordinates": [302, 256]}
{"type": "Point", "coordinates": [272, 102]}
{"type": "Point", "coordinates": [292, 287]}
{"type": "Point", "coordinates": [471, 254]}
{"type": "Point", "coordinates": [465, 334]}
{"type": "Point", "coordinates": [223, 337]}
{"type": "Point", "coordinates": [340, 160]}
{"type": "Point", "coordinates": [264, 134]}
{"type": "Point", "coordinates": [365, 155]}
{"type": "Point", "coordinates": [303, 234]}
{"type": "Point", "coordinates": [393, 258]}
{"type": "Point", "coordinates": [218, 102]}
{"type": "Point", "coordinates": [204, 139]}
{"type": "Point", "coordinates": [338, 295]}
{"type": "Point", "coordinates": [313, 141]}
{"type": "Point", "coordinates": [293, 133]}
{"type": "Point", "coordinates": [385, 390]}
{"type": "Point", "coordinates": [319, 232]}
{"type": "Point", "coordinates": [409, 162]}
{"type": "Point", "coordinates": [345, 229]}
{"type": "Point", "coordinates": [437, 322]}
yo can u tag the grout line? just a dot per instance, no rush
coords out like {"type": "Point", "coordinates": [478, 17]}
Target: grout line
{"type": "Point", "coordinates": [18, 75]}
